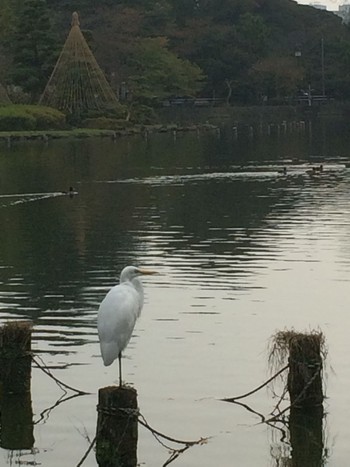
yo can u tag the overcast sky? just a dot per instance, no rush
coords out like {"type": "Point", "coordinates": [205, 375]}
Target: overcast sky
{"type": "Point", "coordinates": [330, 4]}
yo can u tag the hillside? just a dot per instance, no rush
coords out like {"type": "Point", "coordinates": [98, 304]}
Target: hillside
{"type": "Point", "coordinates": [240, 50]}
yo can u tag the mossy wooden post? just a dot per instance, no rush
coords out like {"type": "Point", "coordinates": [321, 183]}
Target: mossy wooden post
{"type": "Point", "coordinates": [306, 436]}
{"type": "Point", "coordinates": [15, 377]}
{"type": "Point", "coordinates": [305, 371]}
{"type": "Point", "coordinates": [116, 437]}
{"type": "Point", "coordinates": [15, 357]}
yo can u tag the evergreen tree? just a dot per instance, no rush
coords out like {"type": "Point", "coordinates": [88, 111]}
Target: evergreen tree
{"type": "Point", "coordinates": [33, 48]}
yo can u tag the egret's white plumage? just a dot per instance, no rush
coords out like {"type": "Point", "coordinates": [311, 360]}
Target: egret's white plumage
{"type": "Point", "coordinates": [118, 313]}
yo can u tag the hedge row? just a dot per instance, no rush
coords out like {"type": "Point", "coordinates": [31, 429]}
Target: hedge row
{"type": "Point", "coordinates": [30, 117]}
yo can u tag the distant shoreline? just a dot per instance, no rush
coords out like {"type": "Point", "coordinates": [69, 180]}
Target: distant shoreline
{"type": "Point", "coordinates": [82, 133]}
{"type": "Point", "coordinates": [190, 120]}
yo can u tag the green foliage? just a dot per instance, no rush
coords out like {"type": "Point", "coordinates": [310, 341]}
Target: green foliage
{"type": "Point", "coordinates": [6, 19]}
{"type": "Point", "coordinates": [30, 117]}
{"type": "Point", "coordinates": [118, 111]}
{"type": "Point", "coordinates": [253, 33]}
{"type": "Point", "coordinates": [105, 123]}
{"type": "Point", "coordinates": [277, 76]}
{"type": "Point", "coordinates": [162, 48]}
{"type": "Point", "coordinates": [33, 47]}
{"type": "Point", "coordinates": [143, 114]}
{"type": "Point", "coordinates": [159, 73]}
{"type": "Point", "coordinates": [158, 17]}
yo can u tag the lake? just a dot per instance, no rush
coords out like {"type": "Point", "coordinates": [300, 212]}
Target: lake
{"type": "Point", "coordinates": [242, 251]}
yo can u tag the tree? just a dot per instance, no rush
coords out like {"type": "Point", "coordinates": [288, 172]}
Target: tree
{"type": "Point", "coordinates": [6, 19]}
{"type": "Point", "coordinates": [159, 73]}
{"type": "Point", "coordinates": [252, 33]}
{"type": "Point", "coordinates": [277, 76]}
{"type": "Point", "coordinates": [224, 38]}
{"type": "Point", "coordinates": [33, 48]}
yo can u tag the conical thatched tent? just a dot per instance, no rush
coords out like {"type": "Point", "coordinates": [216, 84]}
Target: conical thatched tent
{"type": "Point", "coordinates": [4, 98]}
{"type": "Point", "coordinates": [77, 83]}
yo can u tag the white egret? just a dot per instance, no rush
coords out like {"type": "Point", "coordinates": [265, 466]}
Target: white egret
{"type": "Point", "coordinates": [118, 313]}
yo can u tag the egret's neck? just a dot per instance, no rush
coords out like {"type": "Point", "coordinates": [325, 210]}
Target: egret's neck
{"type": "Point", "coordinates": [137, 284]}
{"type": "Point", "coordinates": [139, 289]}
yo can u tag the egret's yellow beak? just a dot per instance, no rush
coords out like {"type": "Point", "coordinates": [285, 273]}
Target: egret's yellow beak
{"type": "Point", "coordinates": [146, 272]}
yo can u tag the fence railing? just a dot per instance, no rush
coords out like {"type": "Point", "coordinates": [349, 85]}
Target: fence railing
{"type": "Point", "coordinates": [197, 102]}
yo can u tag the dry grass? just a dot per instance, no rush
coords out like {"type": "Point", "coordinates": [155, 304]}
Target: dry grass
{"type": "Point", "coordinates": [281, 343]}
{"type": "Point", "coordinates": [305, 353]}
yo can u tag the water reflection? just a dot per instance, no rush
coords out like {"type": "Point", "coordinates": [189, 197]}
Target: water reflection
{"type": "Point", "coordinates": [16, 422]}
{"type": "Point", "coordinates": [241, 249]}
{"type": "Point", "coordinates": [304, 443]}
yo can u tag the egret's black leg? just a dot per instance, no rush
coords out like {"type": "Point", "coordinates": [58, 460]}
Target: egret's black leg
{"type": "Point", "coordinates": [120, 369]}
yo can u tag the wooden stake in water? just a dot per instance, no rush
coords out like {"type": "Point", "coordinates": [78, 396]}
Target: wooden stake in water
{"type": "Point", "coordinates": [305, 371]}
{"type": "Point", "coordinates": [304, 352]}
{"type": "Point", "coordinates": [16, 417]}
{"type": "Point", "coordinates": [15, 357]}
{"type": "Point", "coordinates": [116, 436]}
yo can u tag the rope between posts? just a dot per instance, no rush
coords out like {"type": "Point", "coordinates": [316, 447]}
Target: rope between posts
{"type": "Point", "coordinates": [297, 399]}
{"type": "Point", "coordinates": [233, 399]}
{"type": "Point", "coordinates": [57, 381]}
{"type": "Point", "coordinates": [144, 423]}
{"type": "Point", "coordinates": [141, 419]}
{"type": "Point", "coordinates": [275, 418]}
{"type": "Point", "coordinates": [117, 410]}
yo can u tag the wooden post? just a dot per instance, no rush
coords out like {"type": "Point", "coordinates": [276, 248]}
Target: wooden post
{"type": "Point", "coordinates": [116, 436]}
{"type": "Point", "coordinates": [15, 376]}
{"type": "Point", "coordinates": [15, 357]}
{"type": "Point", "coordinates": [305, 371]}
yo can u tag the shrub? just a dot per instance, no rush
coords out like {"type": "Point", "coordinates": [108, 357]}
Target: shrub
{"type": "Point", "coordinates": [30, 117]}
{"type": "Point", "coordinates": [143, 114]}
{"type": "Point", "coordinates": [47, 118]}
{"type": "Point", "coordinates": [15, 122]}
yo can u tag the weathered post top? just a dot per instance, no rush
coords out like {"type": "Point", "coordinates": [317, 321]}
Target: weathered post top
{"type": "Point", "coordinates": [75, 19]}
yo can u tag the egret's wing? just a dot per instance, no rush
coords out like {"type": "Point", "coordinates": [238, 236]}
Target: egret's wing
{"type": "Point", "coordinates": [116, 320]}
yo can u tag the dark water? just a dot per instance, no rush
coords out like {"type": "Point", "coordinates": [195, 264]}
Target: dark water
{"type": "Point", "coordinates": [242, 251]}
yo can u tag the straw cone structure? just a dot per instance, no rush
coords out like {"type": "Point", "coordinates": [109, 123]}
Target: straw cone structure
{"type": "Point", "coordinates": [4, 98]}
{"type": "Point", "coordinates": [77, 83]}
